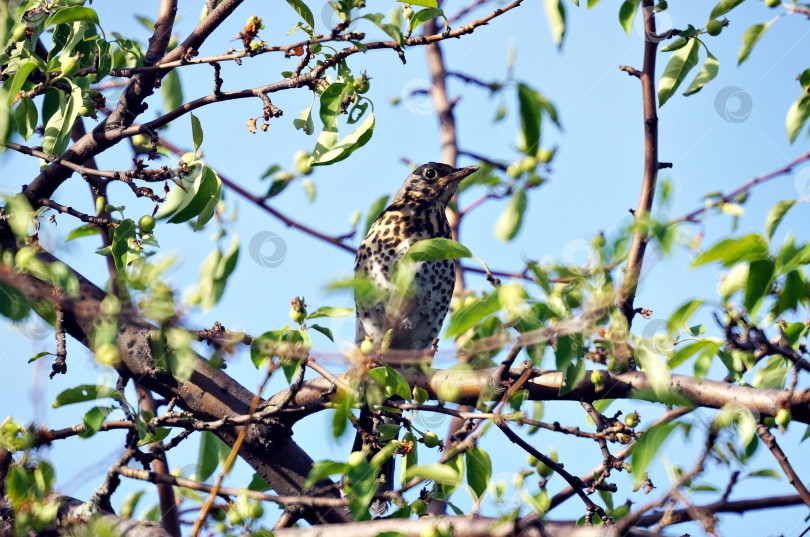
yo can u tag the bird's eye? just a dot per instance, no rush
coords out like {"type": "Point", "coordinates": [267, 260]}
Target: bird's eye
{"type": "Point", "coordinates": [430, 173]}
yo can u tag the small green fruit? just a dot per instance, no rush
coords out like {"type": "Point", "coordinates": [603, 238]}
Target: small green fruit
{"type": "Point", "coordinates": [528, 164]}
{"type": "Point", "coordinates": [783, 418]}
{"type": "Point", "coordinates": [356, 458]}
{"type": "Point", "coordinates": [772, 3]}
{"type": "Point", "coordinates": [19, 33]}
{"type": "Point", "coordinates": [431, 439]}
{"type": "Point", "coordinates": [298, 315]}
{"type": "Point", "coordinates": [543, 469]}
{"type": "Point", "coordinates": [532, 460]}
{"type": "Point", "coordinates": [302, 162]}
{"type": "Point", "coordinates": [598, 379]}
{"type": "Point", "coordinates": [361, 86]}
{"type": "Point", "coordinates": [366, 346]}
{"type": "Point", "coordinates": [513, 170]}
{"type": "Point", "coordinates": [419, 507]}
{"type": "Point", "coordinates": [70, 66]}
{"type": "Point", "coordinates": [407, 11]}
{"type": "Point", "coordinates": [107, 354]}
{"type": "Point", "coordinates": [146, 223]}
{"type": "Point", "coordinates": [632, 420]}
{"type": "Point", "coordinates": [662, 5]}
{"type": "Point", "coordinates": [234, 517]}
{"type": "Point", "coordinates": [769, 422]}
{"type": "Point", "coordinates": [714, 27]}
{"type": "Point", "coordinates": [256, 510]}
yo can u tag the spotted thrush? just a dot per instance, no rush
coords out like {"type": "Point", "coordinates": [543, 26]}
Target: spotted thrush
{"type": "Point", "coordinates": [417, 212]}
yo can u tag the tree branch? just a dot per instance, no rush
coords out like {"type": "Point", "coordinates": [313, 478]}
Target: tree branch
{"type": "Point", "coordinates": [639, 242]}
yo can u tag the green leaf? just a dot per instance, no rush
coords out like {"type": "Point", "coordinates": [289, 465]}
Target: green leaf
{"type": "Point", "coordinates": [172, 93]}
{"type": "Point", "coordinates": [13, 304]}
{"type": "Point", "coordinates": [85, 392]}
{"type": "Point", "coordinates": [731, 251]}
{"type": "Point", "coordinates": [438, 473]}
{"type": "Point", "coordinates": [797, 116]}
{"type": "Point", "coordinates": [479, 470]}
{"type": "Point", "coordinates": [93, 419]}
{"type": "Point", "coordinates": [392, 380]}
{"type": "Point", "coordinates": [60, 124]}
{"type": "Point", "coordinates": [777, 213]}
{"type": "Point", "coordinates": [793, 290]}
{"type": "Point", "coordinates": [510, 220]}
{"type": "Point", "coordinates": [470, 315]}
{"type": "Point", "coordinates": [647, 446]}
{"type": "Point", "coordinates": [82, 231]}
{"type": "Point", "coordinates": [323, 155]}
{"type": "Point", "coordinates": [705, 75]}
{"type": "Point", "coordinates": [328, 311]}
{"type": "Point", "coordinates": [196, 132]}
{"type": "Point", "coordinates": [682, 315]}
{"type": "Point", "coordinates": [19, 79]}
{"type": "Point", "coordinates": [208, 458]}
{"type": "Point", "coordinates": [206, 187]}
{"type": "Point", "coordinates": [124, 233]}
{"type": "Point", "coordinates": [773, 474]}
{"type": "Point", "coordinates": [375, 211]}
{"type": "Point", "coordinates": [423, 3]}
{"type": "Point", "coordinates": [555, 13]}
{"type": "Point", "coordinates": [724, 7]}
{"type": "Point", "coordinates": [323, 330]}
{"type": "Point", "coordinates": [154, 437]}
{"type": "Point", "coordinates": [323, 469]}
{"type": "Point", "coordinates": [680, 63]}
{"type": "Point", "coordinates": [302, 9]}
{"type": "Point", "coordinates": [760, 276]}
{"type": "Point", "coordinates": [38, 355]}
{"type": "Point", "coordinates": [627, 12]}
{"type": "Point", "coordinates": [530, 119]}
{"type": "Point", "coordinates": [130, 503]}
{"type": "Point", "coordinates": [422, 16]}
{"type": "Point", "coordinates": [435, 250]}
{"type": "Point", "coordinates": [749, 39]}
{"type": "Point", "coordinates": [26, 117]}
{"type": "Point", "coordinates": [72, 14]}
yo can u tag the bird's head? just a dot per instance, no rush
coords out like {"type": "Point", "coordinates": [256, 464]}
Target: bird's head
{"type": "Point", "coordinates": [433, 182]}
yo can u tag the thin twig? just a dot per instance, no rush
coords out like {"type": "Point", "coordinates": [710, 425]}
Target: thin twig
{"type": "Point", "coordinates": [769, 440]}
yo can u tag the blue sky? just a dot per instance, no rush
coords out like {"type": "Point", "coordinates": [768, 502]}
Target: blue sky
{"type": "Point", "coordinates": [594, 180]}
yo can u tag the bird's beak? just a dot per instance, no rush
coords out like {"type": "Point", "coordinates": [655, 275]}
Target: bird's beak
{"type": "Point", "coordinates": [461, 173]}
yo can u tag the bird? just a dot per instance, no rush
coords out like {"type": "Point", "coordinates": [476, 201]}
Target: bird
{"type": "Point", "coordinates": [417, 212]}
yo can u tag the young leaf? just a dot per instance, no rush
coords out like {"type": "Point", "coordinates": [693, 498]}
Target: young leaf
{"type": "Point", "coordinates": [724, 7]}
{"type": "Point", "coordinates": [19, 79]}
{"type": "Point", "coordinates": [680, 63]}
{"type": "Point", "coordinates": [124, 234]}
{"type": "Point", "coordinates": [760, 276]}
{"type": "Point", "coordinates": [749, 39]}
{"type": "Point", "coordinates": [471, 314]}
{"type": "Point", "coordinates": [647, 447]}
{"type": "Point", "coordinates": [302, 9]}
{"type": "Point", "coordinates": [435, 250]}
{"type": "Point", "coordinates": [13, 304]}
{"type": "Point", "coordinates": [172, 93]}
{"type": "Point", "coordinates": [479, 470]}
{"type": "Point", "coordinates": [196, 132]}
{"type": "Point", "coordinates": [374, 212]}
{"type": "Point", "coordinates": [329, 311]}
{"type": "Point", "coordinates": [26, 117]}
{"type": "Point", "coordinates": [627, 12]}
{"type": "Point", "coordinates": [511, 218]}
{"type": "Point", "coordinates": [705, 75]}
{"type": "Point", "coordinates": [530, 119]}
{"type": "Point", "coordinates": [323, 155]}
{"type": "Point", "coordinates": [682, 314]}
{"type": "Point", "coordinates": [442, 474]}
{"type": "Point", "coordinates": [85, 392]}
{"type": "Point", "coordinates": [731, 251]}
{"type": "Point", "coordinates": [423, 3]}
{"type": "Point", "coordinates": [797, 116]}
{"type": "Point", "coordinates": [776, 214]}
{"type": "Point", "coordinates": [208, 458]}
{"type": "Point", "coordinates": [555, 13]}
{"type": "Point", "coordinates": [73, 14]}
